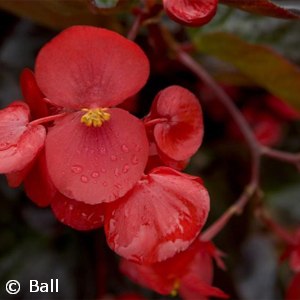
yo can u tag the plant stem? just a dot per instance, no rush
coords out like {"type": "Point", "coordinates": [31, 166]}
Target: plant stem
{"type": "Point", "coordinates": [47, 119]}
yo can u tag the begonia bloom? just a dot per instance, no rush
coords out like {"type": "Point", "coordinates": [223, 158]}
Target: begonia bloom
{"type": "Point", "coordinates": [188, 273]}
{"type": "Point", "coordinates": [177, 123]}
{"type": "Point", "coordinates": [159, 217]}
{"type": "Point", "coordinates": [94, 153]}
{"type": "Point", "coordinates": [191, 12]}
{"type": "Point", "coordinates": [20, 141]}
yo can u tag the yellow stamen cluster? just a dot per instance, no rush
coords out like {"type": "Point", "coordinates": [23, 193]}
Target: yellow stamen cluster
{"type": "Point", "coordinates": [95, 116]}
{"type": "Point", "coordinates": [176, 287]}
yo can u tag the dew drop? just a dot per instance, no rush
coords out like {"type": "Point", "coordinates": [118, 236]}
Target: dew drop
{"type": "Point", "coordinates": [134, 160]}
{"type": "Point", "coordinates": [124, 148]}
{"type": "Point", "coordinates": [76, 169]}
{"type": "Point", "coordinates": [71, 207]}
{"type": "Point", "coordinates": [125, 169]}
{"type": "Point", "coordinates": [103, 170]}
{"type": "Point", "coordinates": [95, 174]}
{"type": "Point", "coordinates": [138, 148]}
{"type": "Point", "coordinates": [118, 186]}
{"type": "Point", "coordinates": [104, 183]}
{"type": "Point", "coordinates": [117, 172]}
{"type": "Point", "coordinates": [84, 179]}
{"type": "Point", "coordinates": [113, 158]}
{"type": "Point", "coordinates": [102, 150]}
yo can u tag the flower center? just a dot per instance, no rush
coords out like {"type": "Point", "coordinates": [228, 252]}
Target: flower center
{"type": "Point", "coordinates": [95, 116]}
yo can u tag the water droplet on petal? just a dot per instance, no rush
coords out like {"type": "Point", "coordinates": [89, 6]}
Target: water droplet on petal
{"type": "Point", "coordinates": [104, 183]}
{"type": "Point", "coordinates": [117, 172]}
{"type": "Point", "coordinates": [95, 174]}
{"type": "Point", "coordinates": [118, 186]}
{"type": "Point", "coordinates": [71, 207]}
{"type": "Point", "coordinates": [102, 150]}
{"type": "Point", "coordinates": [124, 148]}
{"type": "Point", "coordinates": [103, 170]}
{"type": "Point", "coordinates": [113, 158]}
{"type": "Point", "coordinates": [84, 179]}
{"type": "Point", "coordinates": [125, 169]}
{"type": "Point", "coordinates": [134, 160]}
{"type": "Point", "coordinates": [138, 148]}
{"type": "Point", "coordinates": [76, 169]}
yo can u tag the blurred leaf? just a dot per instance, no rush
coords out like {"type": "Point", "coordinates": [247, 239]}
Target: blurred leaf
{"type": "Point", "coordinates": [261, 64]}
{"type": "Point", "coordinates": [105, 3]}
{"type": "Point", "coordinates": [282, 35]}
{"type": "Point", "coordinates": [58, 14]}
{"type": "Point", "coordinates": [106, 7]}
{"type": "Point", "coordinates": [275, 8]}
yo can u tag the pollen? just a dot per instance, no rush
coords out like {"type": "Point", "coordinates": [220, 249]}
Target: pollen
{"type": "Point", "coordinates": [95, 116]}
{"type": "Point", "coordinates": [175, 289]}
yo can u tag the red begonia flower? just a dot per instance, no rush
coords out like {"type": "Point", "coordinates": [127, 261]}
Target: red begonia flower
{"type": "Point", "coordinates": [188, 273]}
{"type": "Point", "coordinates": [19, 141]}
{"type": "Point", "coordinates": [94, 154]}
{"type": "Point", "coordinates": [178, 125]}
{"type": "Point", "coordinates": [293, 291]}
{"type": "Point", "coordinates": [160, 216]}
{"type": "Point", "coordinates": [78, 215]}
{"type": "Point", "coordinates": [191, 12]}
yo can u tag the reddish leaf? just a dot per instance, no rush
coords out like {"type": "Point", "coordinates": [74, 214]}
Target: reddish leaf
{"type": "Point", "coordinates": [264, 7]}
{"type": "Point", "coordinates": [261, 64]}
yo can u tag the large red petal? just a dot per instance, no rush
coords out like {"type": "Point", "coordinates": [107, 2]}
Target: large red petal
{"type": "Point", "coordinates": [96, 164]}
{"type": "Point", "coordinates": [158, 218]}
{"type": "Point", "coordinates": [181, 134]}
{"type": "Point", "coordinates": [38, 185]}
{"type": "Point", "coordinates": [77, 215]}
{"type": "Point", "coordinates": [191, 12]}
{"type": "Point", "coordinates": [19, 142]}
{"type": "Point", "coordinates": [90, 67]}
{"type": "Point", "coordinates": [32, 95]}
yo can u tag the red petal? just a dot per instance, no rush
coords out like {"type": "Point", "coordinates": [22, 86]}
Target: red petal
{"type": "Point", "coordinates": [14, 179]}
{"type": "Point", "coordinates": [77, 215]}
{"type": "Point", "coordinates": [159, 217]}
{"type": "Point", "coordinates": [100, 164]}
{"type": "Point", "coordinates": [90, 67]}
{"type": "Point", "coordinates": [19, 142]}
{"type": "Point", "coordinates": [38, 185]}
{"type": "Point", "coordinates": [33, 95]}
{"type": "Point", "coordinates": [293, 291]}
{"type": "Point", "coordinates": [191, 12]}
{"type": "Point", "coordinates": [195, 288]}
{"type": "Point", "coordinates": [181, 135]}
